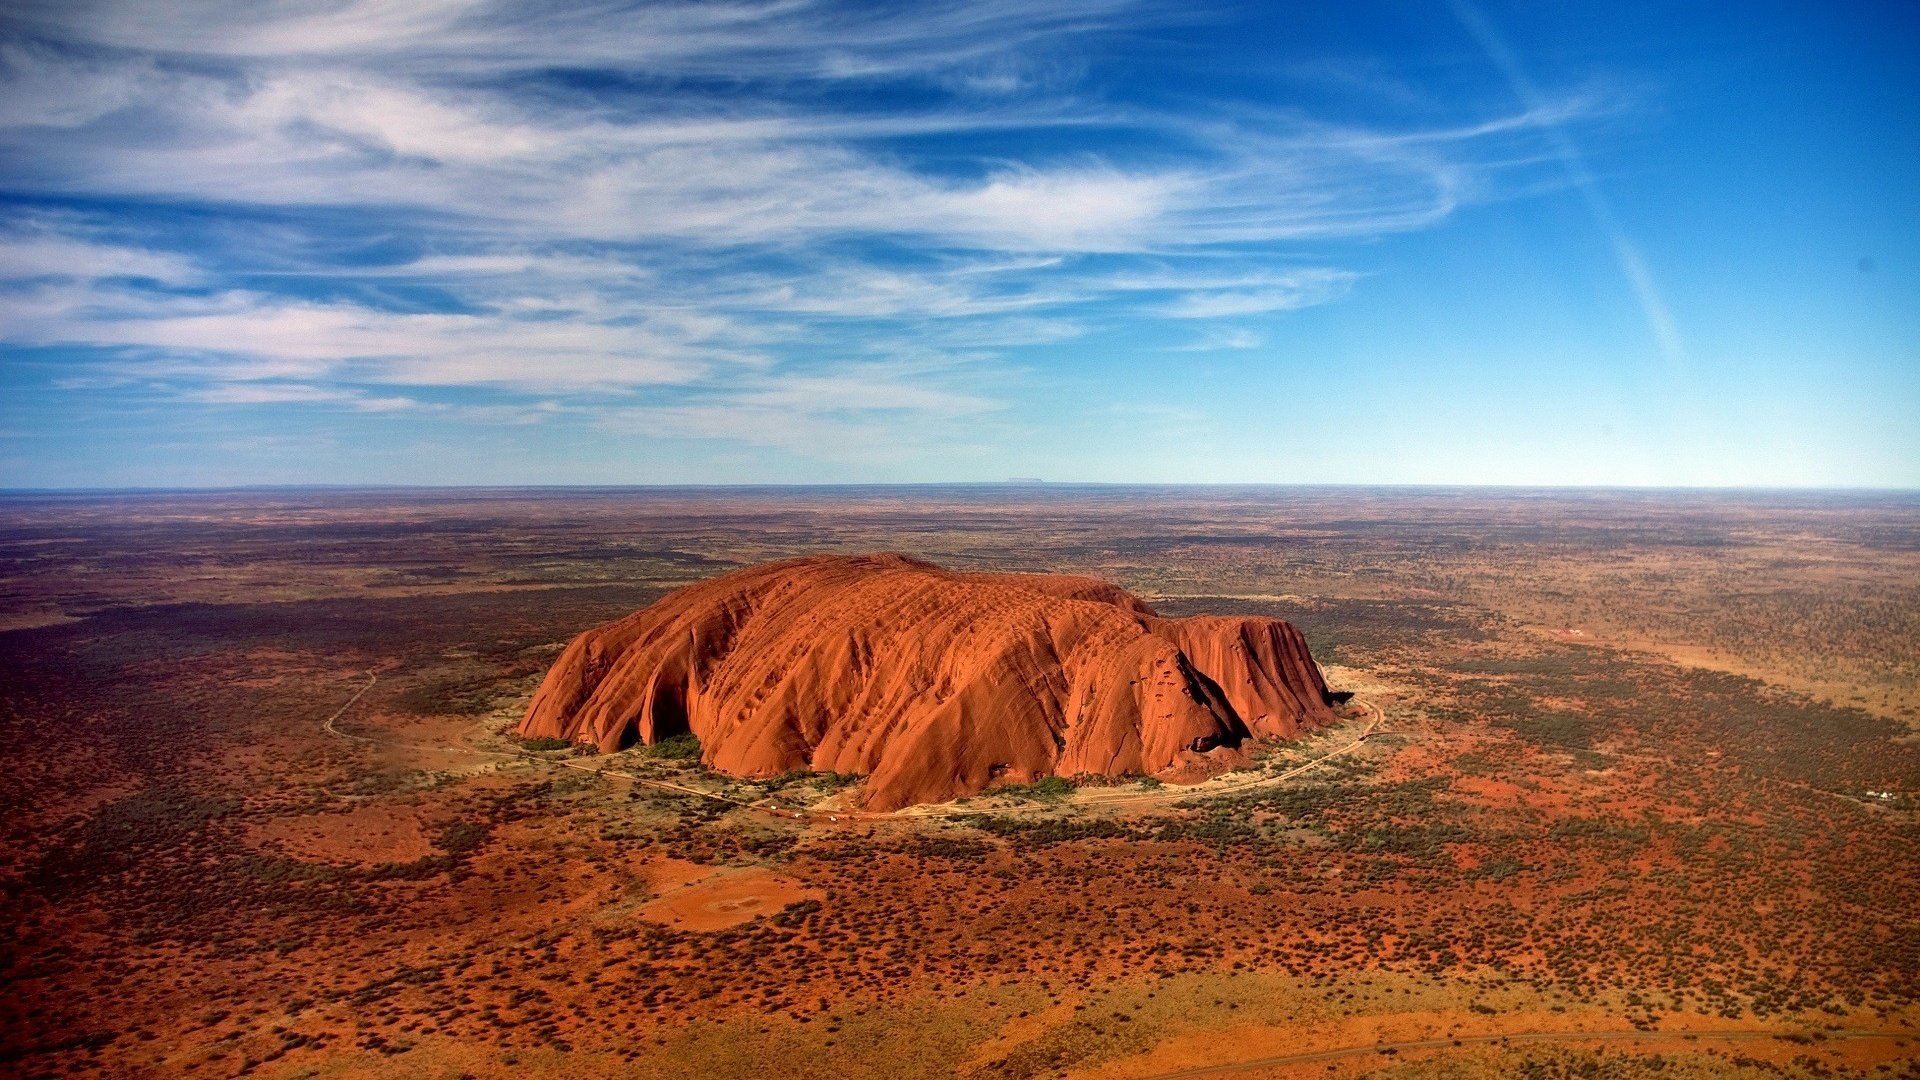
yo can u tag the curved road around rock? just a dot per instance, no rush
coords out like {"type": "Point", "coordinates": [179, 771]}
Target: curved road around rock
{"type": "Point", "coordinates": [1232, 784]}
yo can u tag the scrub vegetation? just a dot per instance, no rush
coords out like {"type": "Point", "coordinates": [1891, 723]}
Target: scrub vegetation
{"type": "Point", "coordinates": [1646, 789]}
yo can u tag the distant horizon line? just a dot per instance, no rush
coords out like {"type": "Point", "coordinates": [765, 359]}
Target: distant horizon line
{"type": "Point", "coordinates": [1017, 483]}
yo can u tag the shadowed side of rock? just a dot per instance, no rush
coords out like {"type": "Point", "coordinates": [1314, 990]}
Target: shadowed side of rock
{"type": "Point", "coordinates": [1261, 665]}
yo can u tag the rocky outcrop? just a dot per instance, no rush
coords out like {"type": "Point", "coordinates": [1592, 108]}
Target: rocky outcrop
{"type": "Point", "coordinates": [929, 683]}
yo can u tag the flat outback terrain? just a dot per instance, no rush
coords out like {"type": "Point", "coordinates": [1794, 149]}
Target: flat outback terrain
{"type": "Point", "coordinates": [1629, 785]}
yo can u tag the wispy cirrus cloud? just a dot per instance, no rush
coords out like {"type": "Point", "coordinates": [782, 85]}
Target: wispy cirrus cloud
{"type": "Point", "coordinates": [65, 247]}
{"type": "Point", "coordinates": [244, 336]}
{"type": "Point", "coordinates": [662, 214]}
{"type": "Point", "coordinates": [275, 393]}
{"type": "Point", "coordinates": [1223, 338]}
{"type": "Point", "coordinates": [770, 38]}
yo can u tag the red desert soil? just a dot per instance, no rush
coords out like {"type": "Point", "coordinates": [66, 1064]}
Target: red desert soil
{"type": "Point", "coordinates": [367, 835]}
{"type": "Point", "coordinates": [932, 684]}
{"type": "Point", "coordinates": [715, 899]}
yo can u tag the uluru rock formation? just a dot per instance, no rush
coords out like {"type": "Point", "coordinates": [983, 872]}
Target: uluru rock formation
{"type": "Point", "coordinates": [931, 684]}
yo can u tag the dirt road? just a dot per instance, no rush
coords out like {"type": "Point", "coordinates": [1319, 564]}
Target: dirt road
{"type": "Point", "coordinates": [328, 727]}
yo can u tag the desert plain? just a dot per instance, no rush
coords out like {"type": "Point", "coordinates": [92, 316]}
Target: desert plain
{"type": "Point", "coordinates": [1627, 787]}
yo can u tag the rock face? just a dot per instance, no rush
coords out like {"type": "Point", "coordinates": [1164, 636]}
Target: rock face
{"type": "Point", "coordinates": [931, 684]}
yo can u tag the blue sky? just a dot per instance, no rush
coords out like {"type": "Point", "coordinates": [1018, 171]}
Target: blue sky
{"type": "Point", "coordinates": [465, 242]}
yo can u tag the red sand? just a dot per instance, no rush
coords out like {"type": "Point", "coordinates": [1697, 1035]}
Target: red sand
{"type": "Point", "coordinates": [725, 898]}
{"type": "Point", "coordinates": [364, 836]}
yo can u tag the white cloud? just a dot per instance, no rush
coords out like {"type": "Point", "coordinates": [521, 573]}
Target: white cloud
{"type": "Point", "coordinates": [1304, 289]}
{"type": "Point", "coordinates": [42, 252]}
{"type": "Point", "coordinates": [784, 38]}
{"type": "Point", "coordinates": [243, 336]}
{"type": "Point", "coordinates": [748, 169]}
{"type": "Point", "coordinates": [283, 393]}
{"type": "Point", "coordinates": [1224, 338]}
{"type": "Point", "coordinates": [660, 254]}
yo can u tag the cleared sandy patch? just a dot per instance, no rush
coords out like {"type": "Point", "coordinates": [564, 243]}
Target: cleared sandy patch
{"type": "Point", "coordinates": [725, 898]}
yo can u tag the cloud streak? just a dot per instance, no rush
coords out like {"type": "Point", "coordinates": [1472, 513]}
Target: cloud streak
{"type": "Point", "coordinates": [1633, 265]}
{"type": "Point", "coordinates": [786, 223]}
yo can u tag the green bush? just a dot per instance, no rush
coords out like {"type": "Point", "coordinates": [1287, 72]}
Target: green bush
{"type": "Point", "coordinates": [463, 837]}
{"type": "Point", "coordinates": [544, 743]}
{"type": "Point", "coordinates": [1045, 789]}
{"type": "Point", "coordinates": [675, 747]}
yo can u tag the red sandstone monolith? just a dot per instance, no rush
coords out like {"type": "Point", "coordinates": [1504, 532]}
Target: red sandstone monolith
{"type": "Point", "coordinates": [931, 684]}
